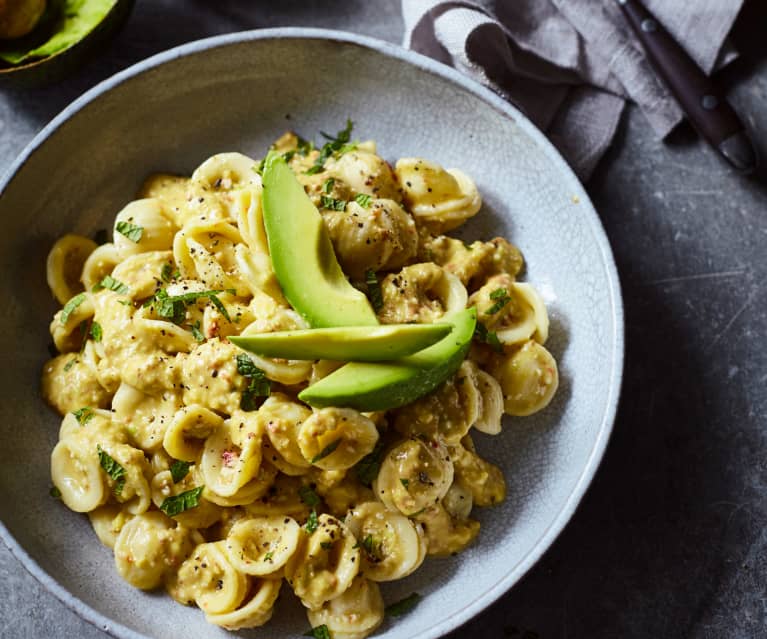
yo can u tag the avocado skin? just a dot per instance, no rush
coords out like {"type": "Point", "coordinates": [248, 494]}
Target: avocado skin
{"type": "Point", "coordinates": [302, 254]}
{"type": "Point", "coordinates": [368, 386]}
{"type": "Point", "coordinates": [357, 343]}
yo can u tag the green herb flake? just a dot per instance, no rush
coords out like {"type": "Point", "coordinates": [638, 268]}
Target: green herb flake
{"type": "Point", "coordinates": [70, 364]}
{"type": "Point", "coordinates": [334, 147]}
{"type": "Point", "coordinates": [179, 469]}
{"type": "Point", "coordinates": [326, 545]}
{"type": "Point", "coordinates": [308, 496]}
{"type": "Point", "coordinates": [112, 468]}
{"type": "Point", "coordinates": [96, 331]}
{"type": "Point", "coordinates": [368, 545]}
{"type": "Point", "coordinates": [173, 307]}
{"type": "Point", "coordinates": [481, 334]}
{"type": "Point", "coordinates": [501, 297]}
{"type": "Point", "coordinates": [403, 606]}
{"type": "Point", "coordinates": [332, 204]}
{"type": "Point", "coordinates": [367, 468]}
{"type": "Point", "coordinates": [84, 415]}
{"type": "Point", "coordinates": [177, 504]}
{"type": "Point", "coordinates": [112, 284]}
{"type": "Point", "coordinates": [268, 556]}
{"type": "Point", "coordinates": [197, 333]}
{"type": "Point", "coordinates": [312, 522]}
{"type": "Point", "coordinates": [326, 451]}
{"type": "Point", "coordinates": [319, 632]}
{"type": "Point", "coordinates": [363, 199]}
{"type": "Point", "coordinates": [167, 274]}
{"type": "Point", "coordinates": [132, 231]}
{"type": "Point", "coordinates": [55, 492]}
{"type": "Point", "coordinates": [70, 306]}
{"type": "Point", "coordinates": [375, 296]}
{"type": "Point", "coordinates": [258, 385]}
{"type": "Point", "coordinates": [404, 482]}
{"type": "Point", "coordinates": [327, 185]}
{"type": "Point", "coordinates": [259, 168]}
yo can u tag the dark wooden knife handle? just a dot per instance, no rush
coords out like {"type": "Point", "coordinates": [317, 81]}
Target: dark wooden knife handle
{"type": "Point", "coordinates": [705, 105]}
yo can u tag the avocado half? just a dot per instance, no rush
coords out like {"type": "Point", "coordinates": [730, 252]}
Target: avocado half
{"type": "Point", "coordinates": [302, 254]}
{"type": "Point", "coordinates": [369, 386]}
{"type": "Point", "coordinates": [350, 343]}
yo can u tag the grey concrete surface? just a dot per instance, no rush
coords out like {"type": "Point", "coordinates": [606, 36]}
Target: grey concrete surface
{"type": "Point", "coordinates": [670, 541]}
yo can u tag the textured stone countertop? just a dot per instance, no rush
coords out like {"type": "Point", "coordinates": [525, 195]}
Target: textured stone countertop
{"type": "Point", "coordinates": [671, 539]}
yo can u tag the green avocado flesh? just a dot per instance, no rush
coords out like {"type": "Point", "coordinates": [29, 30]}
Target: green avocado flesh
{"type": "Point", "coordinates": [357, 343]}
{"type": "Point", "coordinates": [302, 254]}
{"type": "Point", "coordinates": [369, 386]}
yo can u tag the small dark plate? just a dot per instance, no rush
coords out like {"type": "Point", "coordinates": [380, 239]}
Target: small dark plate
{"type": "Point", "coordinates": [53, 68]}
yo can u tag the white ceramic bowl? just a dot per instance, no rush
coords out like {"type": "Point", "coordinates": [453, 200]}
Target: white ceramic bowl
{"type": "Point", "coordinates": [239, 92]}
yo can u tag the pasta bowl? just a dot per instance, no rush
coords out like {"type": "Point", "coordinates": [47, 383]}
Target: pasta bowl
{"type": "Point", "coordinates": [237, 93]}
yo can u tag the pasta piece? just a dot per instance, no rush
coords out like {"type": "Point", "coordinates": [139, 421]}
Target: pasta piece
{"type": "Point", "coordinates": [256, 609]}
{"type": "Point", "coordinates": [448, 413]}
{"type": "Point", "coordinates": [420, 293]}
{"type": "Point", "coordinates": [514, 311]}
{"type": "Point", "coordinates": [191, 426]}
{"type": "Point", "coordinates": [148, 547]}
{"type": "Point", "coordinates": [160, 333]}
{"type": "Point", "coordinates": [171, 189]}
{"type": "Point", "coordinates": [231, 456]}
{"type": "Point", "coordinates": [70, 325]}
{"type": "Point", "coordinates": [326, 562]}
{"type": "Point", "coordinates": [445, 534]}
{"type": "Point", "coordinates": [261, 487]}
{"type": "Point", "coordinates": [152, 373]}
{"type": "Point", "coordinates": [336, 438]}
{"type": "Point", "coordinates": [208, 579]}
{"type": "Point", "coordinates": [107, 522]}
{"type": "Point", "coordinates": [528, 377]}
{"type": "Point", "coordinates": [281, 419]}
{"type": "Point", "coordinates": [379, 236]}
{"type": "Point", "coordinates": [458, 501]}
{"type": "Point", "coordinates": [392, 545]}
{"type": "Point", "coordinates": [262, 545]}
{"type": "Point", "coordinates": [76, 472]}
{"type": "Point", "coordinates": [353, 615]}
{"type": "Point", "coordinates": [482, 479]}
{"type": "Point", "coordinates": [282, 497]}
{"type": "Point", "coordinates": [146, 417]}
{"type": "Point", "coordinates": [100, 263]}
{"type": "Point", "coordinates": [65, 264]}
{"type": "Point", "coordinates": [365, 172]}
{"type": "Point", "coordinates": [414, 475]}
{"type": "Point", "coordinates": [132, 489]}
{"type": "Point", "coordinates": [491, 403]}
{"type": "Point", "coordinates": [70, 382]}
{"type": "Point", "coordinates": [472, 263]}
{"type": "Point", "coordinates": [143, 272]}
{"type": "Point", "coordinates": [439, 199]}
{"type": "Point", "coordinates": [345, 495]}
{"type": "Point", "coordinates": [226, 171]}
{"type": "Point", "coordinates": [204, 515]}
{"type": "Point", "coordinates": [143, 225]}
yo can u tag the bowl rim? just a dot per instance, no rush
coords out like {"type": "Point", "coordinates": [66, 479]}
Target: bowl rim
{"type": "Point", "coordinates": [424, 63]}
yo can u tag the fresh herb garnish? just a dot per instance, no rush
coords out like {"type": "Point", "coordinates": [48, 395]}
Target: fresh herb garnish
{"type": "Point", "coordinates": [332, 203]}
{"type": "Point", "coordinates": [168, 274]}
{"type": "Point", "coordinates": [326, 451]}
{"type": "Point", "coordinates": [84, 415]}
{"type": "Point", "coordinates": [288, 155]}
{"type": "Point", "coordinates": [368, 545]}
{"type": "Point", "coordinates": [326, 545]}
{"type": "Point", "coordinates": [319, 632]}
{"type": "Point", "coordinates": [132, 231]}
{"type": "Point", "coordinates": [259, 168]}
{"type": "Point", "coordinates": [368, 467]}
{"type": "Point", "coordinates": [258, 383]}
{"type": "Point", "coordinates": [335, 146]}
{"type": "Point", "coordinates": [112, 284]}
{"type": "Point", "coordinates": [179, 469]}
{"type": "Point", "coordinates": [404, 482]}
{"type": "Point", "coordinates": [374, 290]}
{"type": "Point", "coordinates": [308, 496]}
{"type": "Point", "coordinates": [112, 468]}
{"type": "Point", "coordinates": [197, 333]}
{"type": "Point", "coordinates": [70, 306]}
{"type": "Point", "coordinates": [327, 185]}
{"type": "Point", "coordinates": [173, 307]}
{"type": "Point", "coordinates": [176, 504]}
{"type": "Point", "coordinates": [96, 331]}
{"type": "Point", "coordinates": [501, 297]}
{"type": "Point", "coordinates": [312, 522]}
{"type": "Point", "coordinates": [268, 556]}
{"type": "Point", "coordinates": [70, 364]}
{"type": "Point", "coordinates": [481, 334]}
{"type": "Point", "coordinates": [403, 606]}
{"type": "Point", "coordinates": [55, 492]}
{"type": "Point", "coordinates": [363, 199]}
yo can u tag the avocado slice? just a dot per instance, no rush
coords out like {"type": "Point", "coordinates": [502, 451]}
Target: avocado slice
{"type": "Point", "coordinates": [369, 386]}
{"type": "Point", "coordinates": [358, 343]}
{"type": "Point", "coordinates": [302, 254]}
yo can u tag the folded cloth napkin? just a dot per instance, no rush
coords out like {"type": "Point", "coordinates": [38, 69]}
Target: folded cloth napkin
{"type": "Point", "coordinates": [569, 65]}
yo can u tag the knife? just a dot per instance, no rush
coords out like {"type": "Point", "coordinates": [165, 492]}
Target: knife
{"type": "Point", "coordinates": [705, 105]}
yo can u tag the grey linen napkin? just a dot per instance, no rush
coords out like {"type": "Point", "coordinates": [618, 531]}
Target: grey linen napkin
{"type": "Point", "coordinates": [569, 65]}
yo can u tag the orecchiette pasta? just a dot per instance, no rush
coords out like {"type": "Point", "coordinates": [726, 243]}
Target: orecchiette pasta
{"type": "Point", "coordinates": [196, 462]}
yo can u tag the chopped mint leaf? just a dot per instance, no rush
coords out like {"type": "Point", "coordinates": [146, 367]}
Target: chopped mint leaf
{"type": "Point", "coordinates": [363, 199]}
{"type": "Point", "coordinates": [84, 415]}
{"type": "Point", "coordinates": [326, 451]}
{"type": "Point", "coordinates": [179, 469]}
{"type": "Point", "coordinates": [70, 306]}
{"type": "Point", "coordinates": [112, 468]}
{"type": "Point", "coordinates": [132, 231]}
{"type": "Point", "coordinates": [112, 284]}
{"type": "Point", "coordinates": [176, 504]}
{"type": "Point", "coordinates": [375, 296]}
